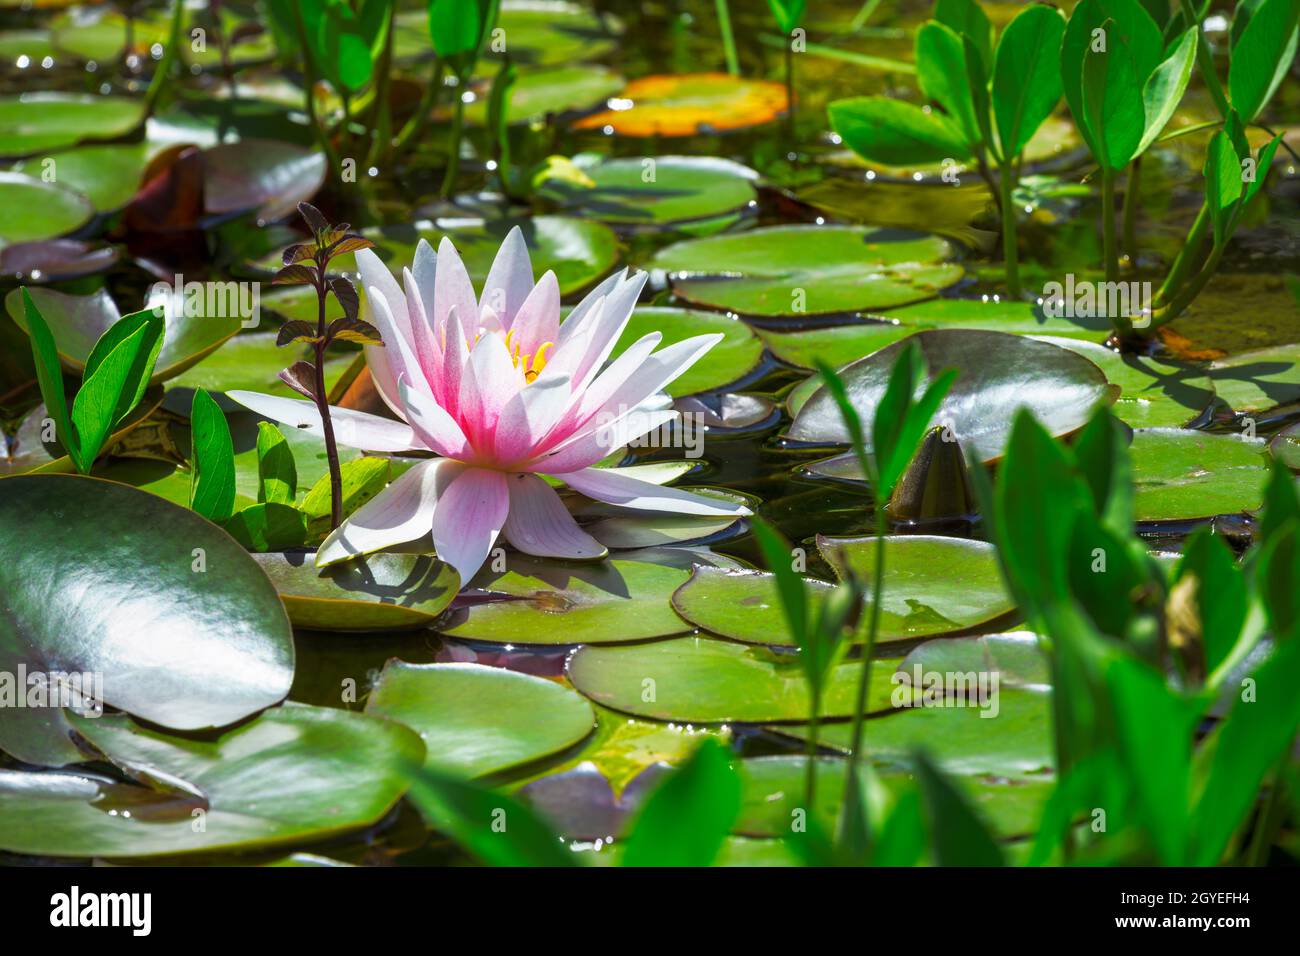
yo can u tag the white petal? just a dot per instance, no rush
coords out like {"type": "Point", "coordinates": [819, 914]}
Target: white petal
{"type": "Point", "coordinates": [352, 428]}
{"type": "Point", "coordinates": [510, 279]}
{"type": "Point", "coordinates": [608, 485]}
{"type": "Point", "coordinates": [432, 424]}
{"type": "Point", "coordinates": [539, 523]}
{"type": "Point", "coordinates": [471, 513]}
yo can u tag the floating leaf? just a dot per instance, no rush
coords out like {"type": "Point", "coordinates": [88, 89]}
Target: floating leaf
{"type": "Point", "coordinates": [376, 592]}
{"type": "Point", "coordinates": [294, 774]}
{"type": "Point", "coordinates": [32, 123]}
{"type": "Point", "coordinates": [1258, 380]}
{"type": "Point", "coordinates": [687, 104]}
{"type": "Point", "coordinates": [538, 94]}
{"type": "Point", "coordinates": [737, 354]}
{"type": "Point", "coordinates": [1180, 475]}
{"type": "Point", "coordinates": [476, 720]}
{"type": "Point", "coordinates": [32, 209]}
{"type": "Point", "coordinates": [795, 270]}
{"type": "Point", "coordinates": [182, 625]}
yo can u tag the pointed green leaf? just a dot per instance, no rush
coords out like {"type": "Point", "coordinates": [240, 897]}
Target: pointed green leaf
{"type": "Point", "coordinates": [685, 821]}
{"type": "Point", "coordinates": [1262, 53]}
{"type": "Point", "coordinates": [958, 838]}
{"type": "Point", "coordinates": [212, 459]}
{"type": "Point", "coordinates": [941, 73]}
{"type": "Point", "coordinates": [890, 131]}
{"type": "Point", "coordinates": [1027, 75]}
{"type": "Point", "coordinates": [1112, 101]}
{"type": "Point", "coordinates": [49, 376]}
{"type": "Point", "coordinates": [277, 474]}
{"type": "Point", "coordinates": [1165, 87]}
{"type": "Point", "coordinates": [95, 408]}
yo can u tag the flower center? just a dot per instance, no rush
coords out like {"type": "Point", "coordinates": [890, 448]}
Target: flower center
{"type": "Point", "coordinates": [531, 363]}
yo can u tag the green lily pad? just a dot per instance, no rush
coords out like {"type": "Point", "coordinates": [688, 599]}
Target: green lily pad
{"type": "Point", "coordinates": [24, 451]}
{"type": "Point", "coordinates": [1285, 447]}
{"type": "Point", "coordinates": [773, 787]}
{"type": "Point", "coordinates": [108, 174]}
{"type": "Point", "coordinates": [657, 190]}
{"type": "Point", "coordinates": [701, 680]}
{"type": "Point", "coordinates": [998, 374]}
{"type": "Point", "coordinates": [578, 251]}
{"type": "Point", "coordinates": [736, 355]}
{"type": "Point", "coordinates": [1154, 393]}
{"type": "Point", "coordinates": [309, 457]}
{"type": "Point", "coordinates": [377, 592]}
{"type": "Point", "coordinates": [541, 601]}
{"type": "Point", "coordinates": [32, 123]}
{"type": "Point", "coordinates": [32, 209]}
{"type": "Point", "coordinates": [78, 321]}
{"type": "Point", "coordinates": [808, 270]}
{"type": "Point", "coordinates": [477, 720]}
{"type": "Point", "coordinates": [837, 345]}
{"type": "Point", "coordinates": [1017, 656]}
{"type": "Point", "coordinates": [537, 94]}
{"type": "Point", "coordinates": [995, 315]}
{"type": "Point", "coordinates": [1256, 381]}
{"type": "Point", "coordinates": [1011, 736]}
{"type": "Point", "coordinates": [1180, 474]}
{"type": "Point", "coordinates": [294, 774]}
{"type": "Point", "coordinates": [180, 623]}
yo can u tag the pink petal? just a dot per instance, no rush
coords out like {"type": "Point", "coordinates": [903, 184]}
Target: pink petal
{"type": "Point", "coordinates": [452, 290]}
{"type": "Point", "coordinates": [540, 524]}
{"type": "Point", "coordinates": [528, 417]}
{"type": "Point", "coordinates": [402, 359]}
{"type": "Point", "coordinates": [471, 513]}
{"type": "Point", "coordinates": [510, 279]}
{"type": "Point", "coordinates": [607, 331]}
{"type": "Point", "coordinates": [538, 320]}
{"type": "Point", "coordinates": [351, 428]}
{"type": "Point", "coordinates": [486, 385]}
{"type": "Point", "coordinates": [590, 447]}
{"type": "Point", "coordinates": [606, 484]}
{"type": "Point", "coordinates": [433, 425]}
{"type": "Point", "coordinates": [385, 382]}
{"type": "Point", "coordinates": [427, 349]}
{"type": "Point", "coordinates": [401, 512]}
{"type": "Point", "coordinates": [455, 358]}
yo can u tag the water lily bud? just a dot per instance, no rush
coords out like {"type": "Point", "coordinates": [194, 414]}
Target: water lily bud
{"type": "Point", "coordinates": [936, 484]}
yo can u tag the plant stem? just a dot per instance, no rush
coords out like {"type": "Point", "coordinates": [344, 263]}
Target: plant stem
{"type": "Point", "coordinates": [1132, 200]}
{"type": "Point", "coordinates": [789, 89]}
{"type": "Point", "coordinates": [160, 76]}
{"type": "Point", "coordinates": [1010, 249]}
{"type": "Point", "coordinates": [322, 405]}
{"type": "Point", "coordinates": [1186, 258]}
{"type": "Point", "coordinates": [1267, 820]}
{"type": "Point", "coordinates": [381, 119]}
{"type": "Point", "coordinates": [1190, 291]}
{"type": "Point", "coordinates": [810, 771]}
{"type": "Point", "coordinates": [864, 681]}
{"type": "Point", "coordinates": [419, 121]}
{"type": "Point", "coordinates": [728, 38]}
{"type": "Point", "coordinates": [309, 87]}
{"type": "Point", "coordinates": [863, 15]}
{"type": "Point", "coordinates": [453, 153]}
{"type": "Point", "coordinates": [1110, 258]}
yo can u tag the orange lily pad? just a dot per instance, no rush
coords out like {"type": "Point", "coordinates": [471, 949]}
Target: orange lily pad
{"type": "Point", "coordinates": [688, 104]}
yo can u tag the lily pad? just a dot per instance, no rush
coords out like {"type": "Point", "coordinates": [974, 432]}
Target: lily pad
{"type": "Point", "coordinates": [808, 270]}
{"type": "Point", "coordinates": [1285, 447]}
{"type": "Point", "coordinates": [539, 601]}
{"type": "Point", "coordinates": [736, 355]}
{"type": "Point", "coordinates": [701, 680]}
{"type": "Point", "coordinates": [180, 623]}
{"type": "Point", "coordinates": [78, 321]}
{"type": "Point", "coordinates": [32, 123]}
{"type": "Point", "coordinates": [541, 33]}
{"type": "Point", "coordinates": [56, 260]}
{"type": "Point", "coordinates": [1154, 393]}
{"type": "Point", "coordinates": [477, 720]}
{"type": "Point", "coordinates": [1180, 474]}
{"type": "Point", "coordinates": [377, 592]}
{"type": "Point", "coordinates": [998, 374]}
{"type": "Point", "coordinates": [24, 451]}
{"type": "Point", "coordinates": [687, 104]}
{"type": "Point", "coordinates": [267, 175]}
{"type": "Point", "coordinates": [653, 191]}
{"type": "Point", "coordinates": [108, 174]}
{"type": "Point", "coordinates": [1252, 382]}
{"type": "Point", "coordinates": [252, 362]}
{"type": "Point", "coordinates": [32, 209]}
{"type": "Point", "coordinates": [1010, 316]}
{"type": "Point", "coordinates": [537, 94]}
{"type": "Point", "coordinates": [837, 345]}
{"type": "Point", "coordinates": [294, 774]}
{"type": "Point", "coordinates": [933, 585]}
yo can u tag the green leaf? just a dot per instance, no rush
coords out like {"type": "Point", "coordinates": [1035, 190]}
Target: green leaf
{"type": "Point", "coordinates": [1222, 184]}
{"type": "Point", "coordinates": [1112, 101]}
{"type": "Point", "coordinates": [212, 459]}
{"type": "Point", "coordinates": [1258, 730]}
{"type": "Point", "coordinates": [269, 526]}
{"type": "Point", "coordinates": [1101, 451]}
{"type": "Point", "coordinates": [787, 13]}
{"type": "Point", "coordinates": [1164, 88]}
{"type": "Point", "coordinates": [941, 73]}
{"type": "Point", "coordinates": [790, 586]}
{"type": "Point", "coordinates": [153, 323]}
{"type": "Point", "coordinates": [1281, 502]}
{"type": "Point", "coordinates": [1261, 55]}
{"type": "Point", "coordinates": [977, 79]}
{"type": "Point", "coordinates": [890, 131]}
{"type": "Point", "coordinates": [1222, 601]}
{"type": "Point", "coordinates": [277, 474]}
{"type": "Point", "coordinates": [685, 821]}
{"type": "Point", "coordinates": [495, 828]}
{"type": "Point", "coordinates": [958, 837]}
{"type": "Point", "coordinates": [967, 19]}
{"type": "Point", "coordinates": [1027, 76]}
{"type": "Point", "coordinates": [49, 375]}
{"type": "Point", "coordinates": [1279, 581]}
{"type": "Point", "coordinates": [458, 29]}
{"type": "Point", "coordinates": [901, 418]}
{"type": "Point", "coordinates": [362, 479]}
{"type": "Point", "coordinates": [94, 411]}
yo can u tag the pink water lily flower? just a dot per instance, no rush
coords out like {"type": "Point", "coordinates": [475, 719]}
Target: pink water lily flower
{"type": "Point", "coordinates": [502, 393]}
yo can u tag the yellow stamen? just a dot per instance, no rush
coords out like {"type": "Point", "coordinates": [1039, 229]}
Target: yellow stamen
{"type": "Point", "coordinates": [531, 364]}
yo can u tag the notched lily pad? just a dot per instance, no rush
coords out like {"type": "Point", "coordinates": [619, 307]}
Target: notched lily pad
{"type": "Point", "coordinates": [1180, 475]}
{"type": "Point", "coordinates": [808, 270]}
{"type": "Point", "coordinates": [477, 720]}
{"type": "Point", "coordinates": [32, 209]}
{"type": "Point", "coordinates": [376, 592]}
{"type": "Point", "coordinates": [731, 359]}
